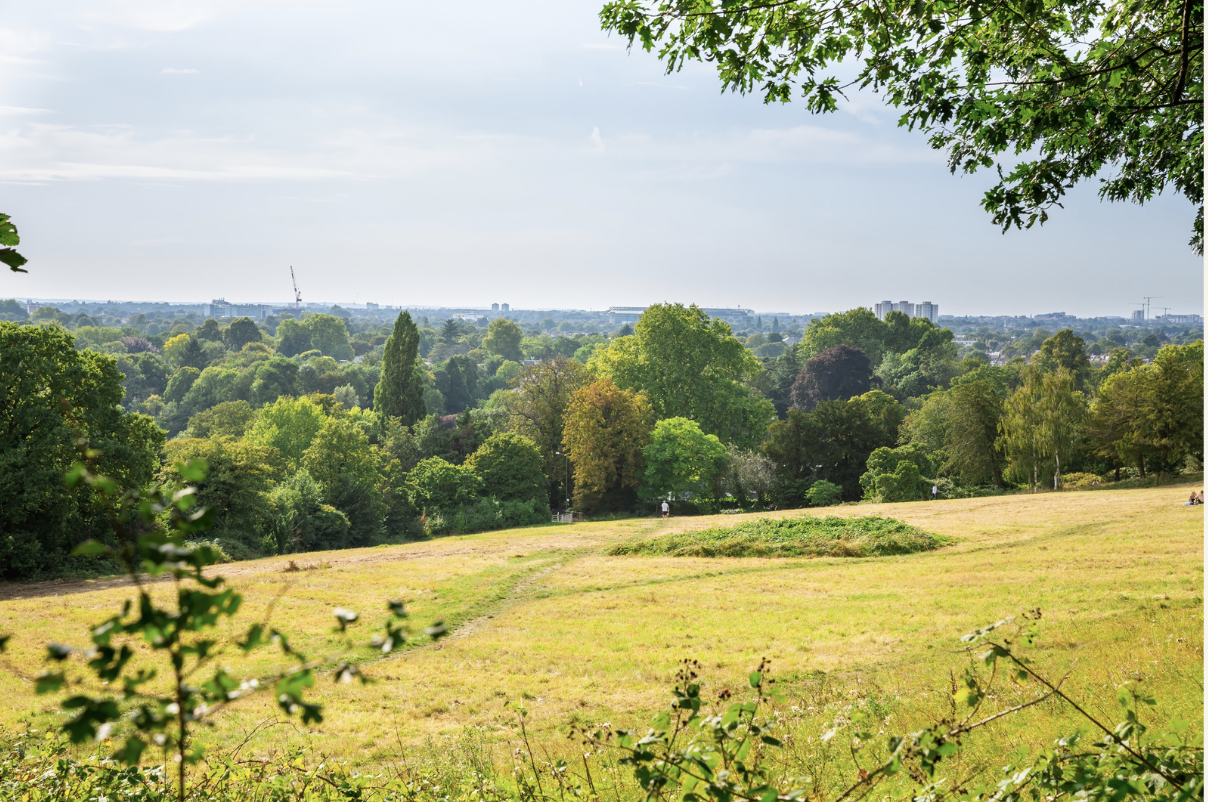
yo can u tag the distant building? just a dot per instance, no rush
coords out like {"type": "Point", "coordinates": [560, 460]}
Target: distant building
{"type": "Point", "coordinates": [220, 308]}
{"type": "Point", "coordinates": [736, 316]}
{"type": "Point", "coordinates": [371, 307]}
{"type": "Point", "coordinates": [505, 308]}
{"type": "Point", "coordinates": [928, 310]}
{"type": "Point", "coordinates": [1181, 320]}
{"type": "Point", "coordinates": [1138, 316]}
{"type": "Point", "coordinates": [925, 309]}
{"type": "Point", "coordinates": [494, 307]}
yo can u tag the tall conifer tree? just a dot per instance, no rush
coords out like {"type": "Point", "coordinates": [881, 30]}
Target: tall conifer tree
{"type": "Point", "coordinates": [400, 392]}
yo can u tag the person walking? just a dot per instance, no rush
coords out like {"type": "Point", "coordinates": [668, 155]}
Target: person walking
{"type": "Point", "coordinates": [666, 508]}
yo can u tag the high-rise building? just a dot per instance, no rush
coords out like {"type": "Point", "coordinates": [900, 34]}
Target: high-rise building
{"type": "Point", "coordinates": [494, 307]}
{"type": "Point", "coordinates": [925, 309]}
{"type": "Point", "coordinates": [505, 308]}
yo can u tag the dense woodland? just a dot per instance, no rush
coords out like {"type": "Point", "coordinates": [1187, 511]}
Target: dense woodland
{"type": "Point", "coordinates": [327, 430]}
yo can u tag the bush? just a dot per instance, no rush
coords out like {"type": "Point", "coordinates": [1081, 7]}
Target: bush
{"type": "Point", "coordinates": [904, 484]}
{"type": "Point", "coordinates": [300, 519]}
{"type": "Point", "coordinates": [486, 514]}
{"type": "Point", "coordinates": [215, 546]}
{"type": "Point", "coordinates": [1080, 480]}
{"type": "Point", "coordinates": [436, 485]}
{"type": "Point", "coordinates": [824, 494]}
{"type": "Point", "coordinates": [509, 466]}
{"type": "Point", "coordinates": [793, 537]}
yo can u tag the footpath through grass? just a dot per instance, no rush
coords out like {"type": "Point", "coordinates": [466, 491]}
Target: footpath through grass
{"type": "Point", "coordinates": [832, 536]}
{"type": "Point", "coordinates": [546, 616]}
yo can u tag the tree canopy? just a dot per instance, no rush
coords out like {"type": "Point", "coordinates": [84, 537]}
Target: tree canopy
{"type": "Point", "coordinates": [400, 391]}
{"type": "Point", "coordinates": [839, 372]}
{"type": "Point", "coordinates": [689, 366]}
{"type": "Point", "coordinates": [50, 396]}
{"type": "Point", "coordinates": [1047, 94]}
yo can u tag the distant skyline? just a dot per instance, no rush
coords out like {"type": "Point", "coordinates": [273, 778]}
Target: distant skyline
{"type": "Point", "coordinates": [312, 306]}
{"type": "Point", "coordinates": [179, 151]}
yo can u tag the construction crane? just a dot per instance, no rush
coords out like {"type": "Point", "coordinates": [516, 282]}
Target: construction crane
{"type": "Point", "coordinates": [297, 294]}
{"type": "Point", "coordinates": [1148, 299]}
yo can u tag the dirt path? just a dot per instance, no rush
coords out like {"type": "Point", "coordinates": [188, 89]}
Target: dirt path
{"type": "Point", "coordinates": [576, 539]}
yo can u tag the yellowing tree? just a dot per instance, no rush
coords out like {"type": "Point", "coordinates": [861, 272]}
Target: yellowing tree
{"type": "Point", "coordinates": [605, 431]}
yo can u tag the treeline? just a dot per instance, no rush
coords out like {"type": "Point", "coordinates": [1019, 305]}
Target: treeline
{"type": "Point", "coordinates": [320, 434]}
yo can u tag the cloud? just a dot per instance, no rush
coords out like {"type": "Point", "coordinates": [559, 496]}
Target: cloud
{"type": "Point", "coordinates": [597, 140]}
{"type": "Point", "coordinates": [42, 153]}
{"type": "Point", "coordinates": [20, 110]}
{"type": "Point", "coordinates": [177, 71]}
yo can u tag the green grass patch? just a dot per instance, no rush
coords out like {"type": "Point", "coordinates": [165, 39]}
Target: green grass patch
{"type": "Point", "coordinates": [869, 536]}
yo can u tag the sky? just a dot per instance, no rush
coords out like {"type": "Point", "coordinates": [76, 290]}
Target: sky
{"type": "Point", "coordinates": [432, 154]}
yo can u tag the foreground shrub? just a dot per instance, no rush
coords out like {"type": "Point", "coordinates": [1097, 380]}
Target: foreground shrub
{"type": "Point", "coordinates": [793, 537]}
{"type": "Point", "coordinates": [705, 747]}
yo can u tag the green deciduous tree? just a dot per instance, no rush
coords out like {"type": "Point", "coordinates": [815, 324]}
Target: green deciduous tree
{"type": "Point", "coordinates": [1086, 90]}
{"type": "Point", "coordinates": [1066, 350]}
{"type": "Point", "coordinates": [885, 461]}
{"type": "Point", "coordinates": [1042, 426]}
{"type": "Point", "coordinates": [503, 339]}
{"type": "Point", "coordinates": [349, 470]}
{"type": "Point", "coordinates": [538, 408]}
{"type": "Point", "coordinates": [237, 480]}
{"type": "Point", "coordinates": [607, 429]}
{"type": "Point", "coordinates": [292, 338]}
{"type": "Point", "coordinates": [832, 442]}
{"type": "Point", "coordinates": [209, 331]}
{"type": "Point", "coordinates": [689, 366]}
{"type": "Point", "coordinates": [329, 335]}
{"type": "Point", "coordinates": [681, 458]}
{"type": "Point", "coordinates": [228, 419]}
{"type": "Point", "coordinates": [1151, 416]}
{"type": "Point", "coordinates": [302, 520]}
{"type": "Point", "coordinates": [51, 395]}
{"type": "Point", "coordinates": [434, 485]}
{"type": "Point", "coordinates": [243, 330]}
{"type": "Point", "coordinates": [400, 391]}
{"type": "Point", "coordinates": [509, 466]}
{"type": "Point", "coordinates": [289, 426]}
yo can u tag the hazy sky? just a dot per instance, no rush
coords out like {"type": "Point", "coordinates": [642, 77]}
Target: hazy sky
{"type": "Point", "coordinates": [479, 152]}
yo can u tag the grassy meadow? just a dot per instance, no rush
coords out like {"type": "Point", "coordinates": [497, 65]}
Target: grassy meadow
{"type": "Point", "coordinates": [546, 616]}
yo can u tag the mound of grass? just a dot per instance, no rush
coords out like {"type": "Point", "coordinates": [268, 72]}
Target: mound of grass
{"type": "Point", "coordinates": [870, 536]}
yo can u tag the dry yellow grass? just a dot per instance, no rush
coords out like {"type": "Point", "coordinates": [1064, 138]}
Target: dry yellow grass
{"type": "Point", "coordinates": [541, 614]}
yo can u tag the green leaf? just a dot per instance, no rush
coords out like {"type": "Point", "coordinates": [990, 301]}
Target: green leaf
{"type": "Point", "coordinates": [13, 259]}
{"type": "Point", "coordinates": [131, 751]}
{"type": "Point", "coordinates": [59, 651]}
{"type": "Point", "coordinates": [48, 682]}
{"type": "Point", "coordinates": [89, 548]}
{"type": "Point", "coordinates": [193, 471]}
{"type": "Point", "coordinates": [344, 617]}
{"type": "Point", "coordinates": [755, 679]}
